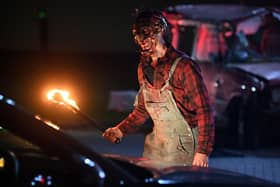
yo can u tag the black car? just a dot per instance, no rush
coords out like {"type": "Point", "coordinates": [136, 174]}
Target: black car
{"type": "Point", "coordinates": [36, 152]}
{"type": "Point", "coordinates": [238, 49]}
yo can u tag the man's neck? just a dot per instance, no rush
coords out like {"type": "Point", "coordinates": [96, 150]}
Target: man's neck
{"type": "Point", "coordinates": [160, 53]}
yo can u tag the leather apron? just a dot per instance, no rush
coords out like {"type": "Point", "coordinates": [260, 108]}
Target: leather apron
{"type": "Point", "coordinates": [172, 140]}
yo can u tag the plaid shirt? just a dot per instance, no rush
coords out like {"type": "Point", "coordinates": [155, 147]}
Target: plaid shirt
{"type": "Point", "coordinates": [189, 93]}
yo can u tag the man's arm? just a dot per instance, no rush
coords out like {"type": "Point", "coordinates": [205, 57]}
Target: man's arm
{"type": "Point", "coordinates": [196, 91]}
{"type": "Point", "coordinates": [136, 118]}
{"type": "Point", "coordinates": [130, 124]}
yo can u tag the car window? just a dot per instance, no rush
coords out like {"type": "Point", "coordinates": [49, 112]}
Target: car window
{"type": "Point", "coordinates": [187, 38]}
{"type": "Point", "coordinates": [249, 26]}
{"type": "Point", "coordinates": [254, 39]}
{"type": "Point", "coordinates": [210, 43]}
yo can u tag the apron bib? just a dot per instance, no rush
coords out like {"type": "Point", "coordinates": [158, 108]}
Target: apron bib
{"type": "Point", "coordinates": [172, 139]}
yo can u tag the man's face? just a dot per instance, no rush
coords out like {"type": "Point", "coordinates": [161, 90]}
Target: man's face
{"type": "Point", "coordinates": [148, 41]}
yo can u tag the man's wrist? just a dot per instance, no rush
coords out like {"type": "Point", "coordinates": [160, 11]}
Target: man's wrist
{"type": "Point", "coordinates": [202, 152]}
{"type": "Point", "coordinates": [120, 127]}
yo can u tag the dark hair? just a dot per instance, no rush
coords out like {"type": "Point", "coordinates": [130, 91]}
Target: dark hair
{"type": "Point", "coordinates": [155, 20]}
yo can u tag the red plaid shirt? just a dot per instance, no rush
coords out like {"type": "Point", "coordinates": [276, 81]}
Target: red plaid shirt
{"type": "Point", "coordinates": [189, 92]}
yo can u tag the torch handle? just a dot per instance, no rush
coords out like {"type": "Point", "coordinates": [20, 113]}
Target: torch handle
{"type": "Point", "coordinates": [89, 119]}
{"type": "Point", "coordinates": [93, 123]}
{"type": "Point", "coordinates": [117, 141]}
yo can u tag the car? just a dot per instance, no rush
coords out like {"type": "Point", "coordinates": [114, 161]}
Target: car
{"type": "Point", "coordinates": [237, 47]}
{"type": "Point", "coordinates": [34, 151]}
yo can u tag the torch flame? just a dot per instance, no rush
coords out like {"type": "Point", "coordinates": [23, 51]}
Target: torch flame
{"type": "Point", "coordinates": [62, 97]}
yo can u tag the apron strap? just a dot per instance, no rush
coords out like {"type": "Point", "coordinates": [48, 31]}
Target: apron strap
{"type": "Point", "coordinates": [171, 71]}
{"type": "Point", "coordinates": [136, 99]}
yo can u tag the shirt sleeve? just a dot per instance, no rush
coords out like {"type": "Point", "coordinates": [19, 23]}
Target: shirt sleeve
{"type": "Point", "coordinates": [195, 91]}
{"type": "Point", "coordinates": [139, 115]}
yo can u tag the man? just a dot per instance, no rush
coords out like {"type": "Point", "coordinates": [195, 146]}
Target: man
{"type": "Point", "coordinates": [173, 94]}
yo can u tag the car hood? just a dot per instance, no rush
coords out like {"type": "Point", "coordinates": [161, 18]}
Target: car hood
{"type": "Point", "coordinates": [17, 120]}
{"type": "Point", "coordinates": [268, 71]}
{"type": "Point", "coordinates": [164, 174]}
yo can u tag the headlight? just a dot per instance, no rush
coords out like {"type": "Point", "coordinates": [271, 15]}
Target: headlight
{"type": "Point", "coordinates": [10, 102]}
{"type": "Point", "coordinates": [251, 88]}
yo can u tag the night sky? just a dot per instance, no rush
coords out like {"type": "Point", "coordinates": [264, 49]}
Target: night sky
{"type": "Point", "coordinates": [82, 26]}
{"type": "Point", "coordinates": [87, 26]}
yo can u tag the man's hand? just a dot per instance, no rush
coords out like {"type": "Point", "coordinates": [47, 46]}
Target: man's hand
{"type": "Point", "coordinates": [113, 134]}
{"type": "Point", "coordinates": [200, 160]}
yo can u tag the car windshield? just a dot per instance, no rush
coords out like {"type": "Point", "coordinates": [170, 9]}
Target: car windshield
{"type": "Point", "coordinates": [255, 39]}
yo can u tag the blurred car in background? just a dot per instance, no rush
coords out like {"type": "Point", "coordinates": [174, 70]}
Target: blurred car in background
{"type": "Point", "coordinates": [36, 152]}
{"type": "Point", "coordinates": [238, 49]}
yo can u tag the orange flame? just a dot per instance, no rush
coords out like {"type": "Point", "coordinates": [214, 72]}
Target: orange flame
{"type": "Point", "coordinates": [62, 97]}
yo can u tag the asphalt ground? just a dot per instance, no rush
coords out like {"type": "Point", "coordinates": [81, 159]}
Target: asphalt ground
{"type": "Point", "coordinates": [261, 163]}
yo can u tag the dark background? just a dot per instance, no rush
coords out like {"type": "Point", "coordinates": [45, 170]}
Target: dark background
{"type": "Point", "coordinates": [79, 26]}
{"type": "Point", "coordinates": [83, 46]}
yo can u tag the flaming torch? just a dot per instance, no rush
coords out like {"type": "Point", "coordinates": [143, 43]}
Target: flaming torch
{"type": "Point", "coordinates": [62, 97]}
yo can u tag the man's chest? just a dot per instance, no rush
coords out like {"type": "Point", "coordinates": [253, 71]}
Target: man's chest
{"type": "Point", "coordinates": [157, 76]}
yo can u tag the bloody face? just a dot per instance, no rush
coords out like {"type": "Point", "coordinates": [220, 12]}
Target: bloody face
{"type": "Point", "coordinates": [147, 43]}
{"type": "Point", "coordinates": [147, 34]}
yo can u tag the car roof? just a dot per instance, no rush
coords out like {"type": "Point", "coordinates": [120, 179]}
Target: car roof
{"type": "Point", "coordinates": [214, 12]}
